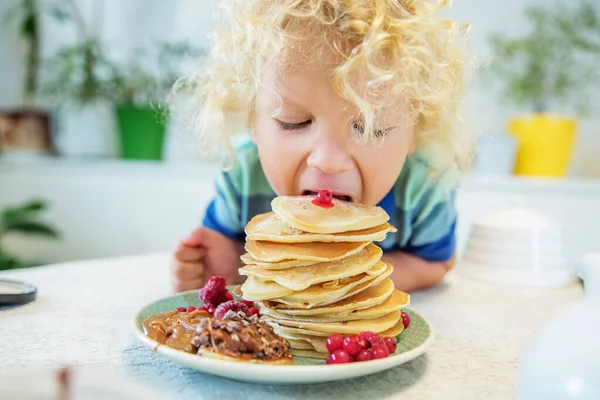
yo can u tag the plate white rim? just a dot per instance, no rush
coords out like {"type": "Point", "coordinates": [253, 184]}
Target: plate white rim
{"type": "Point", "coordinates": [279, 374]}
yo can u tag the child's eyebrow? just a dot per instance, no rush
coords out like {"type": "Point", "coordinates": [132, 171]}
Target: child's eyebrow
{"type": "Point", "coordinates": [291, 103]}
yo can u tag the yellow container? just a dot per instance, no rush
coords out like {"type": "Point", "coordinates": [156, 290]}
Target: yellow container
{"type": "Point", "coordinates": [545, 144]}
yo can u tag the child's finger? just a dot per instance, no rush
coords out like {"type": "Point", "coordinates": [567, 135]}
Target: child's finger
{"type": "Point", "coordinates": [187, 254]}
{"type": "Point", "coordinates": [187, 270]}
{"type": "Point", "coordinates": [195, 238]}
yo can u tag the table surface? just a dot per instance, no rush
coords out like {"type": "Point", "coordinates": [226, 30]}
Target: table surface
{"type": "Point", "coordinates": [83, 312]}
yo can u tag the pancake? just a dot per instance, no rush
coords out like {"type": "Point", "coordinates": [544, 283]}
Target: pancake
{"type": "Point", "coordinates": [300, 344]}
{"type": "Point", "coordinates": [394, 330]}
{"type": "Point", "coordinates": [395, 302]}
{"type": "Point", "coordinates": [299, 212]}
{"type": "Point", "coordinates": [305, 342]}
{"type": "Point", "coordinates": [273, 252]}
{"type": "Point", "coordinates": [308, 354]}
{"type": "Point", "coordinates": [318, 343]}
{"type": "Point", "coordinates": [283, 264]}
{"type": "Point", "coordinates": [314, 271]}
{"type": "Point", "coordinates": [269, 227]}
{"type": "Point", "coordinates": [254, 289]}
{"type": "Point", "coordinates": [376, 325]}
{"type": "Point", "coordinates": [300, 278]}
{"type": "Point", "coordinates": [317, 296]}
{"type": "Point", "coordinates": [283, 330]}
{"type": "Point", "coordinates": [371, 296]}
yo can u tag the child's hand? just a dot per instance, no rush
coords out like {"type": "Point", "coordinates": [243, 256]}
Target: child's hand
{"type": "Point", "coordinates": [414, 273]}
{"type": "Point", "coordinates": [203, 254]}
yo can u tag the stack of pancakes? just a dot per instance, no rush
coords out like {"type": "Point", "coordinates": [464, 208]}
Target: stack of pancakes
{"type": "Point", "coordinates": [315, 271]}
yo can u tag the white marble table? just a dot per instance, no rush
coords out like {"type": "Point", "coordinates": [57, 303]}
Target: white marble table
{"type": "Point", "coordinates": [83, 313]}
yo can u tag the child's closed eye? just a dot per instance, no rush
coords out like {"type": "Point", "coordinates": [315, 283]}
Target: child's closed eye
{"type": "Point", "coordinates": [378, 133]}
{"type": "Point", "coordinates": [289, 126]}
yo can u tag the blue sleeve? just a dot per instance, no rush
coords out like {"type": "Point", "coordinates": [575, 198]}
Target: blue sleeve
{"type": "Point", "coordinates": [440, 250]}
{"type": "Point", "coordinates": [433, 231]}
{"type": "Point", "coordinates": [211, 221]}
{"type": "Point", "coordinates": [224, 211]}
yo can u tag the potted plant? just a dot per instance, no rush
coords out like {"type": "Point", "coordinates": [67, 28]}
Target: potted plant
{"type": "Point", "coordinates": [74, 80]}
{"type": "Point", "coordinates": [26, 129]}
{"type": "Point", "coordinates": [552, 68]}
{"type": "Point", "coordinates": [22, 219]}
{"type": "Point", "coordinates": [138, 89]}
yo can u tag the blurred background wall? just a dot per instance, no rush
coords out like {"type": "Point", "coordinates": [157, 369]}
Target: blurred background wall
{"type": "Point", "coordinates": [107, 197]}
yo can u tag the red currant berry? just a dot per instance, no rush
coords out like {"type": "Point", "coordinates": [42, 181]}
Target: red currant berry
{"type": "Point", "coordinates": [405, 319]}
{"type": "Point", "coordinates": [376, 340]}
{"type": "Point", "coordinates": [329, 360]}
{"type": "Point", "coordinates": [191, 308]}
{"type": "Point", "coordinates": [211, 309]}
{"type": "Point", "coordinates": [180, 309]}
{"type": "Point", "coordinates": [203, 308]}
{"type": "Point", "coordinates": [325, 197]}
{"type": "Point", "coordinates": [391, 344]}
{"type": "Point", "coordinates": [364, 345]}
{"type": "Point", "coordinates": [379, 352]}
{"type": "Point", "coordinates": [364, 355]}
{"type": "Point", "coordinates": [340, 357]}
{"type": "Point", "coordinates": [334, 342]}
{"type": "Point", "coordinates": [229, 296]}
{"type": "Point", "coordinates": [351, 345]}
{"type": "Point", "coordinates": [364, 338]}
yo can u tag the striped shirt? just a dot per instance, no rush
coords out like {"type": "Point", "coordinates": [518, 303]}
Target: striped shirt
{"type": "Point", "coordinates": [423, 213]}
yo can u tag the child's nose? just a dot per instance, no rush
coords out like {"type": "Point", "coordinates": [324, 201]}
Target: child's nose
{"type": "Point", "coordinates": [330, 157]}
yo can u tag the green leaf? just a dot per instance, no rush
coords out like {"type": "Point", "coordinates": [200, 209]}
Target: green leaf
{"type": "Point", "coordinates": [20, 213]}
{"type": "Point", "coordinates": [8, 261]}
{"type": "Point", "coordinates": [28, 26]}
{"type": "Point", "coordinates": [31, 228]}
{"type": "Point", "coordinates": [33, 205]}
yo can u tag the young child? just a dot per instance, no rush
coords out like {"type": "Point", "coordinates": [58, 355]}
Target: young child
{"type": "Point", "coordinates": [357, 97]}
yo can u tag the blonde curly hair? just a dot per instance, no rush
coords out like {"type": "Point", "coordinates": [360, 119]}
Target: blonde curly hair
{"type": "Point", "coordinates": [401, 46]}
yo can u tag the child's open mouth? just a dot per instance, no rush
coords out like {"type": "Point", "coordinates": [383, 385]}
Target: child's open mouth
{"type": "Point", "coordinates": [338, 196]}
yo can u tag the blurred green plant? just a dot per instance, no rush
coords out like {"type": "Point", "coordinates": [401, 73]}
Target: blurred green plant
{"type": "Point", "coordinates": [83, 73]}
{"type": "Point", "coordinates": [556, 63]}
{"type": "Point", "coordinates": [87, 71]}
{"type": "Point", "coordinates": [76, 74]}
{"type": "Point", "coordinates": [25, 16]}
{"type": "Point", "coordinates": [22, 219]}
{"type": "Point", "coordinates": [149, 74]}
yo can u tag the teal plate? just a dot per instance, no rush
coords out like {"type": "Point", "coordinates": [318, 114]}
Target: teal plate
{"type": "Point", "coordinates": [412, 342]}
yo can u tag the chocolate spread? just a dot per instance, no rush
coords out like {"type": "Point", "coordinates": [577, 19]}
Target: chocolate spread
{"type": "Point", "coordinates": [235, 335]}
{"type": "Point", "coordinates": [174, 329]}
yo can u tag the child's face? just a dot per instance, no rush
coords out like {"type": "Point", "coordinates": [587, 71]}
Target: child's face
{"type": "Point", "coordinates": [311, 144]}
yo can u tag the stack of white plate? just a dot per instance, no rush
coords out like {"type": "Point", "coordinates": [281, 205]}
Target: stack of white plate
{"type": "Point", "coordinates": [516, 246]}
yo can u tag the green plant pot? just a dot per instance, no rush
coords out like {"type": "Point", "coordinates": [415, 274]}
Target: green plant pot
{"type": "Point", "coordinates": [141, 131]}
